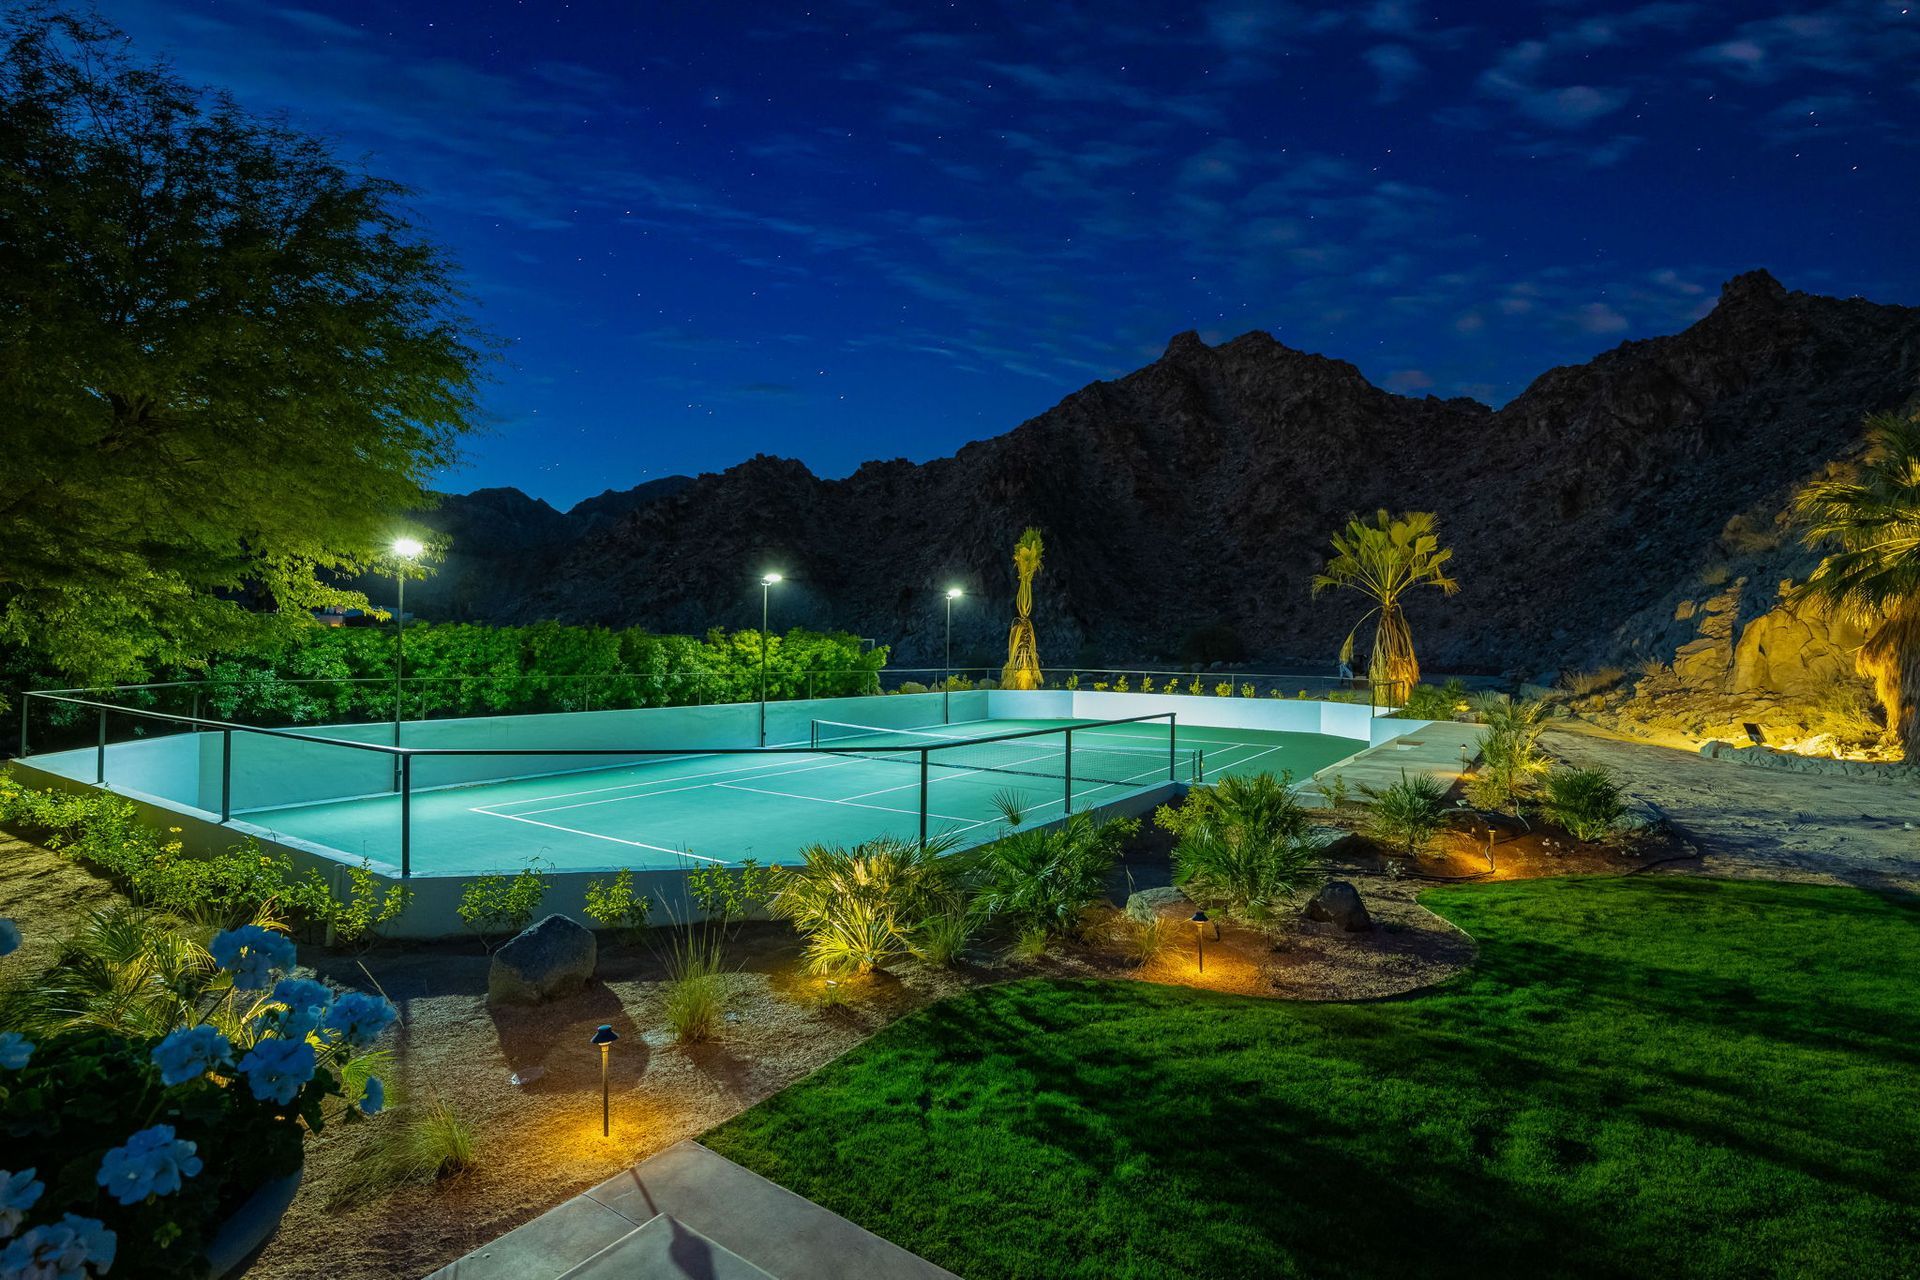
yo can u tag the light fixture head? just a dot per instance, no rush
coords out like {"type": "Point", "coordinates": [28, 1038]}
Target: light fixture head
{"type": "Point", "coordinates": [954, 593]}
{"type": "Point", "coordinates": [767, 580]}
{"type": "Point", "coordinates": [407, 548]}
{"type": "Point", "coordinates": [1199, 917]}
{"type": "Point", "coordinates": [605, 1036]}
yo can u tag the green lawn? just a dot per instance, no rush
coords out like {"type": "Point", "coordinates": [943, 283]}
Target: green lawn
{"type": "Point", "coordinates": [1641, 1077]}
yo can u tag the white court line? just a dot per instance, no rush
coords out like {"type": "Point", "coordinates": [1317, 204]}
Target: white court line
{"type": "Point", "coordinates": [879, 808]}
{"type": "Point", "coordinates": [953, 775]}
{"type": "Point", "coordinates": [594, 835]}
{"type": "Point", "coordinates": [667, 791]}
{"type": "Point", "coordinates": [644, 782]}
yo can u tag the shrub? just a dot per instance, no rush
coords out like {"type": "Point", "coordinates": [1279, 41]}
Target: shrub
{"type": "Point", "coordinates": [1651, 668]}
{"type": "Point", "coordinates": [366, 910]}
{"type": "Point", "coordinates": [1144, 939]}
{"type": "Point", "coordinates": [1583, 683]}
{"type": "Point", "coordinates": [1120, 685]}
{"type": "Point", "coordinates": [1510, 757]}
{"type": "Point", "coordinates": [912, 686]}
{"type": "Point", "coordinates": [1333, 790]}
{"type": "Point", "coordinates": [729, 894]}
{"type": "Point", "coordinates": [1587, 802]}
{"type": "Point", "coordinates": [1030, 945]}
{"type": "Point", "coordinates": [1146, 684]}
{"type": "Point", "coordinates": [500, 904]}
{"type": "Point", "coordinates": [612, 904]}
{"type": "Point", "coordinates": [1193, 686]}
{"type": "Point", "coordinates": [1044, 878]}
{"type": "Point", "coordinates": [1845, 709]}
{"type": "Point", "coordinates": [1409, 814]}
{"type": "Point", "coordinates": [1243, 843]}
{"type": "Point", "coordinates": [1429, 702]}
{"type": "Point", "coordinates": [696, 988]}
{"type": "Point", "coordinates": [857, 907]}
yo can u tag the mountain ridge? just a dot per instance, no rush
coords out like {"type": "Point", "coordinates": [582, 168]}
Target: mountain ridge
{"type": "Point", "coordinates": [1201, 488]}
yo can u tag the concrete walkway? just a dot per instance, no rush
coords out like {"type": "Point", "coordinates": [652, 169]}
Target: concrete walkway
{"type": "Point", "coordinates": [1434, 750]}
{"type": "Point", "coordinates": [688, 1214]}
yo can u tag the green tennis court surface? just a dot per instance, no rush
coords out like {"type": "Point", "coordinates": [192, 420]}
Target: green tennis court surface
{"type": "Point", "coordinates": [673, 811]}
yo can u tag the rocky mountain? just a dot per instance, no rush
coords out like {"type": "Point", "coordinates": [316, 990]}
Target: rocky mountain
{"type": "Point", "coordinates": [1201, 489]}
{"type": "Point", "coordinates": [501, 543]}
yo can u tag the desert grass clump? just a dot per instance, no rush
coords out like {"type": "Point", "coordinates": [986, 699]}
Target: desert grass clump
{"type": "Point", "coordinates": [1583, 684]}
{"type": "Point", "coordinates": [1030, 945]}
{"type": "Point", "coordinates": [1587, 802]}
{"type": "Point", "coordinates": [696, 986]}
{"type": "Point", "coordinates": [1144, 938]}
{"type": "Point", "coordinates": [942, 935]}
{"type": "Point", "coordinates": [423, 1142]}
{"type": "Point", "coordinates": [1844, 710]}
{"type": "Point", "coordinates": [1246, 844]}
{"type": "Point", "coordinates": [1408, 814]}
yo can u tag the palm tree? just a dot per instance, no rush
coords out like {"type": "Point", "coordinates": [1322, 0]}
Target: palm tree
{"type": "Point", "coordinates": [1871, 513]}
{"type": "Point", "coordinates": [1383, 559]}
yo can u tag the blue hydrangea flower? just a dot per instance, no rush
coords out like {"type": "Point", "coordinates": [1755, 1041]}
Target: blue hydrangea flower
{"type": "Point", "coordinates": [374, 1097]}
{"type": "Point", "coordinates": [191, 1052]}
{"type": "Point", "coordinates": [9, 937]}
{"type": "Point", "coordinates": [251, 954]}
{"type": "Point", "coordinates": [18, 1193]}
{"type": "Point", "coordinates": [151, 1164]}
{"type": "Point", "coordinates": [360, 1018]}
{"type": "Point", "coordinates": [277, 1070]}
{"type": "Point", "coordinates": [15, 1049]}
{"type": "Point", "coordinates": [305, 1003]}
{"type": "Point", "coordinates": [70, 1249]}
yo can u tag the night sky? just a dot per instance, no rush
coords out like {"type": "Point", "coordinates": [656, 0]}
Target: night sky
{"type": "Point", "coordinates": [882, 230]}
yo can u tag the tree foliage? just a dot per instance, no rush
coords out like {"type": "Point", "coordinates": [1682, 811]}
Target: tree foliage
{"type": "Point", "coordinates": [1384, 558]}
{"type": "Point", "coordinates": [1867, 519]}
{"type": "Point", "coordinates": [226, 359]}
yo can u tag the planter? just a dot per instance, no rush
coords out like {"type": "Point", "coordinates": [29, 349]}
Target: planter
{"type": "Point", "coordinates": [238, 1241]}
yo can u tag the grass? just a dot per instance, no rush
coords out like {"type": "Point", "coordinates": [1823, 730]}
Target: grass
{"type": "Point", "coordinates": [1640, 1077]}
{"type": "Point", "coordinates": [411, 1144]}
{"type": "Point", "coordinates": [696, 1003]}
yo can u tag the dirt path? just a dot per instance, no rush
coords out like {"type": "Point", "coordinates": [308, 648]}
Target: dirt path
{"type": "Point", "coordinates": [1770, 823]}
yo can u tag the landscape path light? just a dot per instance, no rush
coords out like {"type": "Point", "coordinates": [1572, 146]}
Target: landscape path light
{"type": "Point", "coordinates": [1199, 940]}
{"type": "Point", "coordinates": [605, 1037]}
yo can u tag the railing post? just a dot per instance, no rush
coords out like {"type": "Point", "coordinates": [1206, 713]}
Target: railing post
{"type": "Point", "coordinates": [925, 799]}
{"type": "Point", "coordinates": [26, 701]}
{"type": "Point", "coordinates": [226, 774]}
{"type": "Point", "coordinates": [100, 753]}
{"type": "Point", "coordinates": [1066, 768]}
{"type": "Point", "coordinates": [406, 816]}
{"type": "Point", "coordinates": [1173, 746]}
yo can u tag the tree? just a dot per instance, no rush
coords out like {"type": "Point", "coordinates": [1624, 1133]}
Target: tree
{"type": "Point", "coordinates": [227, 362]}
{"type": "Point", "coordinates": [1383, 559]}
{"type": "Point", "coordinates": [1871, 514]}
{"type": "Point", "coordinates": [1023, 654]}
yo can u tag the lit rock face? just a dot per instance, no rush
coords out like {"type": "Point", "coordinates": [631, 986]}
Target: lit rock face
{"type": "Point", "coordinates": [1339, 903]}
{"type": "Point", "coordinates": [551, 959]}
{"type": "Point", "coordinates": [1202, 488]}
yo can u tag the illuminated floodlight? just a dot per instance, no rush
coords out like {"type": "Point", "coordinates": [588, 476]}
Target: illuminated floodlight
{"type": "Point", "coordinates": [407, 548]}
{"type": "Point", "coordinates": [954, 593]}
{"type": "Point", "coordinates": [769, 579]}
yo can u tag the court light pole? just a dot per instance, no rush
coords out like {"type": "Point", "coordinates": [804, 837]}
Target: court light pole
{"type": "Point", "coordinates": [766, 587]}
{"type": "Point", "coordinates": [946, 672]}
{"type": "Point", "coordinates": [406, 550]}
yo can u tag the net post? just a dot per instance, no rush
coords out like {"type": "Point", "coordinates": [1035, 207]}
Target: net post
{"type": "Point", "coordinates": [406, 816]}
{"type": "Point", "coordinates": [1066, 770]}
{"type": "Point", "coordinates": [226, 775]}
{"type": "Point", "coordinates": [100, 753]}
{"type": "Point", "coordinates": [925, 802]}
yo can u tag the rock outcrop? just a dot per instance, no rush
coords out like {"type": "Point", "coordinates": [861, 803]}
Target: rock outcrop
{"type": "Point", "coordinates": [1201, 489]}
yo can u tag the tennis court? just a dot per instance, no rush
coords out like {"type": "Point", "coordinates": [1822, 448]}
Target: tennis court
{"type": "Point", "coordinates": [846, 784]}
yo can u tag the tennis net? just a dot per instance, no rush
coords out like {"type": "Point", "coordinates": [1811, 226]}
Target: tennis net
{"type": "Point", "coordinates": [1056, 754]}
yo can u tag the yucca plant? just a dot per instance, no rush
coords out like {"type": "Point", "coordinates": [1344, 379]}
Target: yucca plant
{"type": "Point", "coordinates": [1409, 814]}
{"type": "Point", "coordinates": [1869, 516]}
{"type": "Point", "coordinates": [856, 907]}
{"type": "Point", "coordinates": [1244, 843]}
{"type": "Point", "coordinates": [1045, 878]}
{"type": "Point", "coordinates": [1383, 559]}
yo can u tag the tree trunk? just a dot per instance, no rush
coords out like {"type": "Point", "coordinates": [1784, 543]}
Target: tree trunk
{"type": "Point", "coordinates": [1891, 658]}
{"type": "Point", "coordinates": [1392, 666]}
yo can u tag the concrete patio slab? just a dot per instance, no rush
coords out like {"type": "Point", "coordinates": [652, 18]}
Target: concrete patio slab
{"type": "Point", "coordinates": [683, 1213]}
{"type": "Point", "coordinates": [1433, 750]}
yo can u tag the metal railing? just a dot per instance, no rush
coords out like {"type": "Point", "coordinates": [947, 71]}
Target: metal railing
{"type": "Point", "coordinates": [405, 756]}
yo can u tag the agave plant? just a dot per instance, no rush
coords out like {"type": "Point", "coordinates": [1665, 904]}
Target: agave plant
{"type": "Point", "coordinates": [857, 907]}
{"type": "Point", "coordinates": [1383, 559]}
{"type": "Point", "coordinates": [1871, 518]}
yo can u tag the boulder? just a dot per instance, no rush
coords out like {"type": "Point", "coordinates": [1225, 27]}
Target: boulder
{"type": "Point", "coordinates": [1148, 903]}
{"type": "Point", "coordinates": [1339, 903]}
{"type": "Point", "coordinates": [551, 959]}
